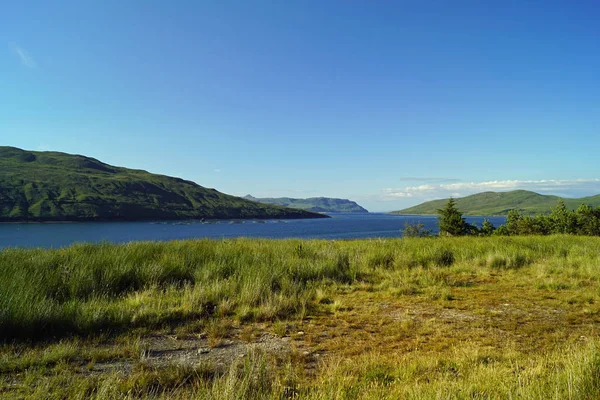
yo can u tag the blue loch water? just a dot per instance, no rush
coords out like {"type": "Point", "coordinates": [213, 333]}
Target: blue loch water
{"type": "Point", "coordinates": [339, 226]}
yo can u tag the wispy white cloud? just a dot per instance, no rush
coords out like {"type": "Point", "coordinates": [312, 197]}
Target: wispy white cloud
{"type": "Point", "coordinates": [217, 170]}
{"type": "Point", "coordinates": [26, 58]}
{"type": "Point", "coordinates": [566, 188]}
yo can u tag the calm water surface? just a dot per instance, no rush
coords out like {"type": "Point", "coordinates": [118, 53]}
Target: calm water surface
{"type": "Point", "coordinates": [340, 226]}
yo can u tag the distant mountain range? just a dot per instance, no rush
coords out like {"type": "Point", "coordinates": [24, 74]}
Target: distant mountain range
{"type": "Point", "coordinates": [314, 204]}
{"type": "Point", "coordinates": [500, 203]}
{"type": "Point", "coordinates": [52, 186]}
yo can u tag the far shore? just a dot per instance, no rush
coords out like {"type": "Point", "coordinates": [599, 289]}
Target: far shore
{"type": "Point", "coordinates": [69, 221]}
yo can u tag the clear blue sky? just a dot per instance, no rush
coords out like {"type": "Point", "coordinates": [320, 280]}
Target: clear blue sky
{"type": "Point", "coordinates": [386, 103]}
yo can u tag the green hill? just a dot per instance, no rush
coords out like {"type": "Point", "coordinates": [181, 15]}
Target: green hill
{"type": "Point", "coordinates": [315, 204]}
{"type": "Point", "coordinates": [500, 203]}
{"type": "Point", "coordinates": [52, 186]}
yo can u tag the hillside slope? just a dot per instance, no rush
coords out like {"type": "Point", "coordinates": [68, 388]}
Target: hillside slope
{"type": "Point", "coordinates": [52, 186]}
{"type": "Point", "coordinates": [314, 204]}
{"type": "Point", "coordinates": [500, 203]}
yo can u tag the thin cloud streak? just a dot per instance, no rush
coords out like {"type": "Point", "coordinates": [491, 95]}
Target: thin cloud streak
{"type": "Point", "coordinates": [566, 188]}
{"type": "Point", "coordinates": [26, 58]}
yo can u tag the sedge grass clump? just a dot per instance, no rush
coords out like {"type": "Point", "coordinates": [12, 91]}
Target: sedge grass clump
{"type": "Point", "coordinates": [216, 331]}
{"type": "Point", "coordinates": [432, 256]}
{"type": "Point", "coordinates": [443, 258]}
{"type": "Point", "coordinates": [440, 293]}
{"type": "Point", "coordinates": [497, 262]}
{"type": "Point", "coordinates": [248, 379]}
{"type": "Point", "coordinates": [382, 259]}
{"type": "Point", "coordinates": [146, 380]}
{"type": "Point", "coordinates": [509, 261]}
{"type": "Point", "coordinates": [280, 328]}
{"type": "Point", "coordinates": [407, 289]}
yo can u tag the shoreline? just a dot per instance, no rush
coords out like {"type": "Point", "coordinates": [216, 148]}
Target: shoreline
{"type": "Point", "coordinates": [435, 215]}
{"type": "Point", "coordinates": [74, 221]}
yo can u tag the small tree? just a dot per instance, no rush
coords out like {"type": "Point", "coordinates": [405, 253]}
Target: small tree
{"type": "Point", "coordinates": [542, 224]}
{"type": "Point", "coordinates": [471, 229]}
{"type": "Point", "coordinates": [415, 230]}
{"type": "Point", "coordinates": [563, 220]}
{"type": "Point", "coordinates": [502, 231]}
{"type": "Point", "coordinates": [513, 220]}
{"type": "Point", "coordinates": [487, 228]}
{"type": "Point", "coordinates": [527, 226]}
{"type": "Point", "coordinates": [450, 220]}
{"type": "Point", "coordinates": [588, 220]}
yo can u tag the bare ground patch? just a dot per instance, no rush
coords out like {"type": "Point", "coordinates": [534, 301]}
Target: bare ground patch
{"type": "Point", "coordinates": [159, 351]}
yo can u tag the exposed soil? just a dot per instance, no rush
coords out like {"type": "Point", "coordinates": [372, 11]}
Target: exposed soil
{"type": "Point", "coordinates": [191, 351]}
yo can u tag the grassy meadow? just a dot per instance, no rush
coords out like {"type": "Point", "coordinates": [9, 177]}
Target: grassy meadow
{"type": "Point", "coordinates": [415, 318]}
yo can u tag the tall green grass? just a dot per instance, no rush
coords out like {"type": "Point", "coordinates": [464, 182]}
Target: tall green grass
{"type": "Point", "coordinates": [91, 288]}
{"type": "Point", "coordinates": [86, 288]}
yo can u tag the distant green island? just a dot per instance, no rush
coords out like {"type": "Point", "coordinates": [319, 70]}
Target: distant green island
{"type": "Point", "coordinates": [53, 186]}
{"type": "Point", "coordinates": [500, 203]}
{"type": "Point", "coordinates": [314, 204]}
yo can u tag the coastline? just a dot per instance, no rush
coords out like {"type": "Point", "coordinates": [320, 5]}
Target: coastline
{"type": "Point", "coordinates": [77, 220]}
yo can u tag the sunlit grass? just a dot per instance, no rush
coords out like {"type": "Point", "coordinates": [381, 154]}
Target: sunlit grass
{"type": "Point", "coordinates": [499, 317]}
